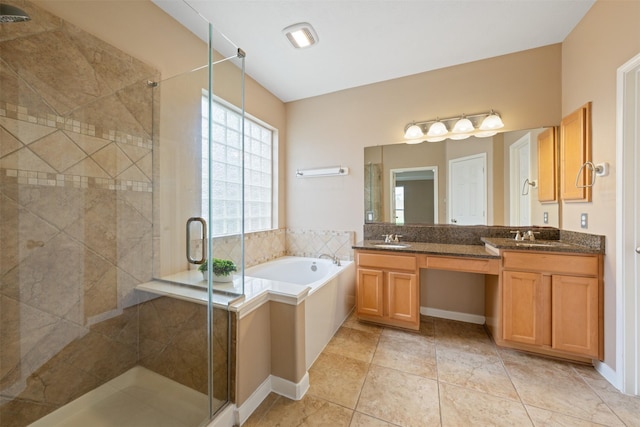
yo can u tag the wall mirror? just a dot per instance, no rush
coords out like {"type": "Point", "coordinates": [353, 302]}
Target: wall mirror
{"type": "Point", "coordinates": [488, 181]}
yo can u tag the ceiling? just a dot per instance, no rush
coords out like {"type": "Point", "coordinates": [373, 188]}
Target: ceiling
{"type": "Point", "coordinates": [368, 41]}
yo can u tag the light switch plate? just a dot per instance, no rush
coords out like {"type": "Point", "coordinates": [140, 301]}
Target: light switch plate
{"type": "Point", "coordinates": [584, 220]}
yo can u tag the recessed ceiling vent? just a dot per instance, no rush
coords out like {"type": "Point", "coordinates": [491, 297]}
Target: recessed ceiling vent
{"type": "Point", "coordinates": [301, 35]}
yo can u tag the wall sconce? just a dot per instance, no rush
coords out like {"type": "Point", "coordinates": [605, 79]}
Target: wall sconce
{"type": "Point", "coordinates": [463, 127]}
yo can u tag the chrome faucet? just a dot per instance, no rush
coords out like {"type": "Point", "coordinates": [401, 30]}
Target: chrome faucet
{"type": "Point", "coordinates": [525, 235]}
{"type": "Point", "coordinates": [392, 238]}
{"type": "Point", "coordinates": [334, 259]}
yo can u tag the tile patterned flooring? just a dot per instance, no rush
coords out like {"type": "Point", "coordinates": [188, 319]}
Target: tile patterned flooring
{"type": "Point", "coordinates": [448, 374]}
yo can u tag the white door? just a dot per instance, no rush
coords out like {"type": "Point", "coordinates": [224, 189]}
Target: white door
{"type": "Point", "coordinates": [520, 206]}
{"type": "Point", "coordinates": [628, 228]}
{"type": "Point", "coordinates": [468, 190]}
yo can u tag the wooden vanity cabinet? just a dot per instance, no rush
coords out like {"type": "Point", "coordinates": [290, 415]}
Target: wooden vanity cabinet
{"type": "Point", "coordinates": [387, 289]}
{"type": "Point", "coordinates": [553, 303]}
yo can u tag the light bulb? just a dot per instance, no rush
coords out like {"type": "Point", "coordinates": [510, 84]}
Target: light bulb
{"type": "Point", "coordinates": [463, 125]}
{"type": "Point", "coordinates": [437, 129]}
{"type": "Point", "coordinates": [414, 131]}
{"type": "Point", "coordinates": [491, 122]}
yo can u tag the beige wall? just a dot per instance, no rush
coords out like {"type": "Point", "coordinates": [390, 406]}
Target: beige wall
{"type": "Point", "coordinates": [253, 361]}
{"type": "Point", "coordinates": [606, 38]}
{"type": "Point", "coordinates": [333, 129]}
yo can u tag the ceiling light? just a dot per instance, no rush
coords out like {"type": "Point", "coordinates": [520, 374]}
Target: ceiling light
{"type": "Point", "coordinates": [301, 35]}
{"type": "Point", "coordinates": [462, 127]}
{"type": "Point", "coordinates": [413, 131]}
{"type": "Point", "coordinates": [491, 122]}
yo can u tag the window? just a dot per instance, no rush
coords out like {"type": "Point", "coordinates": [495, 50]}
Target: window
{"type": "Point", "coordinates": [226, 170]}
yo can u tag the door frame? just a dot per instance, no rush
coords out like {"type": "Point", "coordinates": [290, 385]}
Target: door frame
{"type": "Point", "coordinates": [514, 175]}
{"type": "Point", "coordinates": [627, 374]}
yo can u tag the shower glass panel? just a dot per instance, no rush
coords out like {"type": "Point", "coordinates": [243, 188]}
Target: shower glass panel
{"type": "Point", "coordinates": [100, 168]}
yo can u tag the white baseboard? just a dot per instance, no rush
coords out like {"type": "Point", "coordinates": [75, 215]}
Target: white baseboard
{"type": "Point", "coordinates": [452, 315]}
{"type": "Point", "coordinates": [243, 412]}
{"type": "Point", "coordinates": [294, 391]}
{"type": "Point", "coordinates": [226, 418]}
{"type": "Point", "coordinates": [608, 373]}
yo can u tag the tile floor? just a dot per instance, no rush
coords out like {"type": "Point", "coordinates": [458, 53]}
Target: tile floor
{"type": "Point", "coordinates": [448, 374]}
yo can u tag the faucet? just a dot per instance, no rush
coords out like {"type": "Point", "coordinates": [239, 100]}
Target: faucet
{"type": "Point", "coordinates": [525, 235]}
{"type": "Point", "coordinates": [334, 259]}
{"type": "Point", "coordinates": [392, 238]}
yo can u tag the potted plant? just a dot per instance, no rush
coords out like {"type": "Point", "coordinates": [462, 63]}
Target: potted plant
{"type": "Point", "coordinates": [222, 269]}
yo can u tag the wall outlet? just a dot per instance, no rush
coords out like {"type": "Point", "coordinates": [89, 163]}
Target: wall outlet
{"type": "Point", "coordinates": [584, 220]}
{"type": "Point", "coordinates": [545, 217]}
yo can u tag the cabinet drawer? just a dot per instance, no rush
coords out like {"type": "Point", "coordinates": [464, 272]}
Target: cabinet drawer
{"type": "Point", "coordinates": [470, 265]}
{"type": "Point", "coordinates": [551, 263]}
{"type": "Point", "coordinates": [395, 262]}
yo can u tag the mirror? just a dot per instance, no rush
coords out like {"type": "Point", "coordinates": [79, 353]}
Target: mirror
{"type": "Point", "coordinates": [489, 181]}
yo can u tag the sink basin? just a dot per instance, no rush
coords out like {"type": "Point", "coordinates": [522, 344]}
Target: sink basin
{"type": "Point", "coordinates": [391, 245]}
{"type": "Point", "coordinates": [540, 244]}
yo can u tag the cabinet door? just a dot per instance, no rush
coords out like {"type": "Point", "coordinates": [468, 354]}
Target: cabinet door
{"type": "Point", "coordinates": [370, 292]}
{"type": "Point", "coordinates": [575, 150]}
{"type": "Point", "coordinates": [547, 166]}
{"type": "Point", "coordinates": [524, 305]}
{"type": "Point", "coordinates": [403, 297]}
{"type": "Point", "coordinates": [575, 314]}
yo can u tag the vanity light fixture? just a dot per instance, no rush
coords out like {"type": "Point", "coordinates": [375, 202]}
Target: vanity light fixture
{"type": "Point", "coordinates": [462, 127]}
{"type": "Point", "coordinates": [301, 35]}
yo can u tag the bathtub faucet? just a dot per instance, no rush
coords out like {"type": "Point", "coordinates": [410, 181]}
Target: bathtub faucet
{"type": "Point", "coordinates": [333, 258]}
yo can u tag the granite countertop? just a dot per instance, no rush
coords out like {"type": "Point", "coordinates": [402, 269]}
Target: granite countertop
{"type": "Point", "coordinates": [496, 244]}
{"type": "Point", "coordinates": [444, 249]}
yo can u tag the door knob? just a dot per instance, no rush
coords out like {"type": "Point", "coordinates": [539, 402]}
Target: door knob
{"type": "Point", "coordinates": [638, 250]}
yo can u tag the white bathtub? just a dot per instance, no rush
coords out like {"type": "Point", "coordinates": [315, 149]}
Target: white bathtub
{"type": "Point", "coordinates": [331, 297]}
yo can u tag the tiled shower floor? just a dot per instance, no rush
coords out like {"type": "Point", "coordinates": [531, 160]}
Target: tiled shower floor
{"type": "Point", "coordinates": [137, 398]}
{"type": "Point", "coordinates": [448, 374]}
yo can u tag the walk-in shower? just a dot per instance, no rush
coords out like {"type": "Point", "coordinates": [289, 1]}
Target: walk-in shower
{"type": "Point", "coordinates": [102, 161]}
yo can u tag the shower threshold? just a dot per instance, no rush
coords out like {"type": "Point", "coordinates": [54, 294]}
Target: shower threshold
{"type": "Point", "coordinates": [137, 398]}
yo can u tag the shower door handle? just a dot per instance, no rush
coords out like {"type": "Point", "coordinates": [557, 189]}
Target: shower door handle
{"type": "Point", "coordinates": [203, 238]}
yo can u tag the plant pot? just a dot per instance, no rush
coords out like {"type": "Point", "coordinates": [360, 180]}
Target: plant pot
{"type": "Point", "coordinates": [218, 279]}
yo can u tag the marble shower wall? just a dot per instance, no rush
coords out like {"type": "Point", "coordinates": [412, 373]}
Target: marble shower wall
{"type": "Point", "coordinates": [75, 212]}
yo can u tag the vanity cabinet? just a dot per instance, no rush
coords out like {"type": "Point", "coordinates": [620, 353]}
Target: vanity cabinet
{"type": "Point", "coordinates": [387, 289]}
{"type": "Point", "coordinates": [553, 302]}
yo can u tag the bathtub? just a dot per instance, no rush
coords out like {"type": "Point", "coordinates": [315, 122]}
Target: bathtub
{"type": "Point", "coordinates": [331, 296]}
